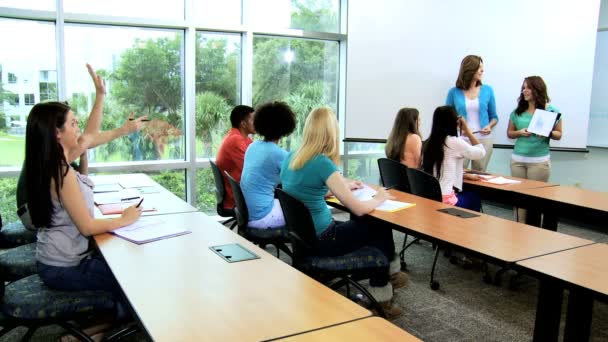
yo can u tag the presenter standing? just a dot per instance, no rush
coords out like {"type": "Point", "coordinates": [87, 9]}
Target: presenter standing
{"type": "Point", "coordinates": [475, 102]}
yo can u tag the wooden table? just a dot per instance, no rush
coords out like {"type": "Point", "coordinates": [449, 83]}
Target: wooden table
{"type": "Point", "coordinates": [566, 201]}
{"type": "Point", "coordinates": [364, 330]}
{"type": "Point", "coordinates": [584, 271]}
{"type": "Point", "coordinates": [163, 200]}
{"type": "Point", "coordinates": [182, 291]}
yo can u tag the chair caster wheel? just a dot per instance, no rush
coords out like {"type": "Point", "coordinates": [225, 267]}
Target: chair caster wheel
{"type": "Point", "coordinates": [434, 286]}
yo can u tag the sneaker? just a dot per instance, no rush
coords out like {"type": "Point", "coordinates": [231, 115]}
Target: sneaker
{"type": "Point", "coordinates": [399, 280]}
{"type": "Point", "coordinates": [391, 310]}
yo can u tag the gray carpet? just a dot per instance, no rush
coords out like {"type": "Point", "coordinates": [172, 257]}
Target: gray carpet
{"type": "Point", "coordinates": [463, 309]}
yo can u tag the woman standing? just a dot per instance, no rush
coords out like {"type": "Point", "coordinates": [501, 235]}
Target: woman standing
{"type": "Point", "coordinates": [531, 158]}
{"type": "Point", "coordinates": [404, 144]}
{"type": "Point", "coordinates": [475, 102]}
{"type": "Point", "coordinates": [444, 153]}
{"type": "Point", "coordinates": [308, 173]}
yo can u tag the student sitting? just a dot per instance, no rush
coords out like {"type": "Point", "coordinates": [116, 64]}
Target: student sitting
{"type": "Point", "coordinates": [404, 143]}
{"type": "Point", "coordinates": [231, 153]}
{"type": "Point", "coordinates": [444, 153]}
{"type": "Point", "coordinates": [262, 167]}
{"type": "Point", "coordinates": [309, 173]}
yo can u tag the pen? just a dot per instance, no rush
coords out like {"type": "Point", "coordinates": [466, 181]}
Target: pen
{"type": "Point", "coordinates": [138, 204]}
{"type": "Point", "coordinates": [131, 119]}
{"type": "Point", "coordinates": [130, 198]}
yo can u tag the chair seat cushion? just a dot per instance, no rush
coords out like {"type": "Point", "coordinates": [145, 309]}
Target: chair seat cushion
{"type": "Point", "coordinates": [29, 298]}
{"type": "Point", "coordinates": [18, 262]}
{"type": "Point", "coordinates": [15, 234]}
{"type": "Point", "coordinates": [363, 258]}
{"type": "Point", "coordinates": [269, 233]}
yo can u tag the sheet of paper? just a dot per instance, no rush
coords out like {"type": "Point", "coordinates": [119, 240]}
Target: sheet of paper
{"type": "Point", "coordinates": [365, 193]}
{"type": "Point", "coordinates": [391, 206]}
{"type": "Point", "coordinates": [107, 187]}
{"type": "Point", "coordinates": [542, 122]}
{"type": "Point", "coordinates": [122, 196]}
{"type": "Point", "coordinates": [148, 229]}
{"type": "Point", "coordinates": [501, 181]}
{"type": "Point", "coordinates": [486, 177]}
{"type": "Point", "coordinates": [135, 181]}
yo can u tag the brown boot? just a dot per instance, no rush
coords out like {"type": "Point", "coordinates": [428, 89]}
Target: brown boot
{"type": "Point", "coordinates": [399, 280]}
{"type": "Point", "coordinates": [391, 310]}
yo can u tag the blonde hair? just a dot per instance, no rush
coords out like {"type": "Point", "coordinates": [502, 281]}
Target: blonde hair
{"type": "Point", "coordinates": [320, 136]}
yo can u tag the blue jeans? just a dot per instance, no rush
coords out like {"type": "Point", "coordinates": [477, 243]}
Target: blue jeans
{"type": "Point", "coordinates": [345, 237]}
{"type": "Point", "coordinates": [91, 274]}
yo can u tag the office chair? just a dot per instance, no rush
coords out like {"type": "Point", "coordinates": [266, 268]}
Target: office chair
{"type": "Point", "coordinates": [348, 268]}
{"type": "Point", "coordinates": [15, 234]}
{"type": "Point", "coordinates": [262, 237]}
{"type": "Point", "coordinates": [18, 262]}
{"type": "Point", "coordinates": [425, 185]}
{"type": "Point", "coordinates": [220, 194]}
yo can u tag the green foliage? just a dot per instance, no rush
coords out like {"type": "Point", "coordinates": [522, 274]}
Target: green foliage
{"type": "Point", "coordinates": [216, 68]}
{"type": "Point", "coordinates": [205, 196]}
{"type": "Point", "coordinates": [314, 15]}
{"type": "Point", "coordinates": [174, 181]}
{"type": "Point", "coordinates": [3, 126]}
{"type": "Point", "coordinates": [307, 97]}
{"type": "Point", "coordinates": [212, 112]}
{"type": "Point", "coordinates": [8, 206]}
{"type": "Point", "coordinates": [12, 150]}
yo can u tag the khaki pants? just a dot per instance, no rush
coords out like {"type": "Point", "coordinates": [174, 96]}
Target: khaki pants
{"type": "Point", "coordinates": [482, 164]}
{"type": "Point", "coordinates": [535, 171]}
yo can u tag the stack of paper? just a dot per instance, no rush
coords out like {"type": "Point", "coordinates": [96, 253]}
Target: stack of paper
{"type": "Point", "coordinates": [125, 195]}
{"type": "Point", "coordinates": [135, 181]}
{"type": "Point", "coordinates": [392, 206]}
{"type": "Point", "coordinates": [111, 187]}
{"type": "Point", "coordinates": [148, 229]}
{"type": "Point", "coordinates": [501, 180]}
{"type": "Point", "coordinates": [364, 193]}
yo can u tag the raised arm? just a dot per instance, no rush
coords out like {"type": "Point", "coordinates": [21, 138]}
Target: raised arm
{"type": "Point", "coordinates": [94, 122]}
{"type": "Point", "coordinates": [340, 188]}
{"type": "Point", "coordinates": [74, 203]}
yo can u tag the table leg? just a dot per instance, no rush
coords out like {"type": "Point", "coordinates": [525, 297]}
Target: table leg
{"type": "Point", "coordinates": [533, 217]}
{"type": "Point", "coordinates": [550, 221]}
{"type": "Point", "coordinates": [578, 318]}
{"type": "Point", "coordinates": [548, 311]}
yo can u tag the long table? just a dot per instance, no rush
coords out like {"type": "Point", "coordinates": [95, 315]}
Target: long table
{"type": "Point", "coordinates": [372, 329]}
{"type": "Point", "coordinates": [180, 290]}
{"type": "Point", "coordinates": [584, 272]}
{"type": "Point", "coordinates": [160, 198]}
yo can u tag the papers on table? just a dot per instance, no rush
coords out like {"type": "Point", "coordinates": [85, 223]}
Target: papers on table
{"type": "Point", "coordinates": [118, 208]}
{"type": "Point", "coordinates": [148, 229]}
{"type": "Point", "coordinates": [366, 193]}
{"type": "Point", "coordinates": [109, 187]}
{"type": "Point", "coordinates": [542, 122]}
{"type": "Point", "coordinates": [392, 206]}
{"type": "Point", "coordinates": [135, 181]}
{"type": "Point", "coordinates": [501, 180]}
{"type": "Point", "coordinates": [125, 195]}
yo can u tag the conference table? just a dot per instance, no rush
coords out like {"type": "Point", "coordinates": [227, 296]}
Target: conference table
{"type": "Point", "coordinates": [371, 329]}
{"type": "Point", "coordinates": [584, 272]}
{"type": "Point", "coordinates": [179, 289]}
{"type": "Point", "coordinates": [155, 196]}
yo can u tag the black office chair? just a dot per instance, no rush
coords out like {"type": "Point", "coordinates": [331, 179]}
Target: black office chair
{"type": "Point", "coordinates": [393, 175]}
{"type": "Point", "coordinates": [220, 194]}
{"type": "Point", "coordinates": [262, 237]}
{"type": "Point", "coordinates": [18, 262]}
{"type": "Point", "coordinates": [348, 269]}
{"type": "Point", "coordinates": [425, 185]}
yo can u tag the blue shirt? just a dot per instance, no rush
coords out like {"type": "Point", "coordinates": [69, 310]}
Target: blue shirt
{"type": "Point", "coordinates": [487, 104]}
{"type": "Point", "coordinates": [308, 185]}
{"type": "Point", "coordinates": [260, 177]}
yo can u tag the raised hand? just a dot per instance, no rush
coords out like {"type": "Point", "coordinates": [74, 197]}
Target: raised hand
{"type": "Point", "coordinates": [100, 83]}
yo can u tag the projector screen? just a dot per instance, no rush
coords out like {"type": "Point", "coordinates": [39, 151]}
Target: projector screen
{"type": "Point", "coordinates": [408, 53]}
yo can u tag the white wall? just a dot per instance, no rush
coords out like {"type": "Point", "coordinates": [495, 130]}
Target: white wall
{"type": "Point", "coordinates": [598, 116]}
{"type": "Point", "coordinates": [407, 53]}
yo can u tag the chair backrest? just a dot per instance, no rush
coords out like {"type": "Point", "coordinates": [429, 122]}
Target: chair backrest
{"type": "Point", "coordinates": [299, 224]}
{"type": "Point", "coordinates": [220, 191]}
{"type": "Point", "coordinates": [424, 185]}
{"type": "Point", "coordinates": [240, 206]}
{"type": "Point", "coordinates": [393, 174]}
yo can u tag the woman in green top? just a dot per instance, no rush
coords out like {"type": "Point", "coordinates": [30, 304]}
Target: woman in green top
{"type": "Point", "coordinates": [530, 158]}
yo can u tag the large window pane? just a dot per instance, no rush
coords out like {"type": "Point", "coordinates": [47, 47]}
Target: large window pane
{"type": "Point", "coordinates": [43, 5]}
{"type": "Point", "coordinates": [217, 12]}
{"type": "Point", "coordinates": [205, 196]}
{"type": "Point", "coordinates": [8, 200]}
{"type": "Point", "coordinates": [168, 9]}
{"type": "Point", "coordinates": [309, 15]}
{"type": "Point", "coordinates": [303, 73]}
{"type": "Point", "coordinates": [24, 59]}
{"type": "Point", "coordinates": [218, 73]}
{"type": "Point", "coordinates": [143, 72]}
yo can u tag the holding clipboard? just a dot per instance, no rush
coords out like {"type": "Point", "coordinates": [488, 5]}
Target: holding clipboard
{"type": "Point", "coordinates": [543, 122]}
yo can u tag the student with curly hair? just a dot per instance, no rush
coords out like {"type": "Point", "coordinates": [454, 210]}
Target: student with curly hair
{"type": "Point", "coordinates": [262, 165]}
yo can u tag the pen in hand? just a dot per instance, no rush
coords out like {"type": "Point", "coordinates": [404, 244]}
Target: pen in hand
{"type": "Point", "coordinates": [138, 204]}
{"type": "Point", "coordinates": [146, 120]}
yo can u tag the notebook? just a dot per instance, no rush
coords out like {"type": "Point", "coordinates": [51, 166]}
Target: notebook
{"type": "Point", "coordinates": [148, 229]}
{"type": "Point", "coordinates": [118, 208]}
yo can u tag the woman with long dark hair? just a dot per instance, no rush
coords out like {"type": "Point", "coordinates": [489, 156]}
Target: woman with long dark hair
{"type": "Point", "coordinates": [60, 202]}
{"type": "Point", "coordinates": [444, 153]}
{"type": "Point", "coordinates": [475, 102]}
{"type": "Point", "coordinates": [404, 144]}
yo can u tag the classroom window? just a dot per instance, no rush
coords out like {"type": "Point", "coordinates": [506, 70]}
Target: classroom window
{"type": "Point", "coordinates": [308, 15]}
{"type": "Point", "coordinates": [164, 9]}
{"type": "Point", "coordinates": [217, 12]}
{"type": "Point", "coordinates": [143, 72]}
{"type": "Point", "coordinates": [29, 99]}
{"type": "Point", "coordinates": [42, 5]}
{"type": "Point", "coordinates": [301, 72]}
{"type": "Point", "coordinates": [205, 192]}
{"type": "Point", "coordinates": [218, 88]}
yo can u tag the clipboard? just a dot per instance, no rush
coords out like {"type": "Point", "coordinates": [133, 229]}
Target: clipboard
{"type": "Point", "coordinates": [233, 252]}
{"type": "Point", "coordinates": [458, 212]}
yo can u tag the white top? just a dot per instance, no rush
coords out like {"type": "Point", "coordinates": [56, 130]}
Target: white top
{"type": "Point", "coordinates": [455, 151]}
{"type": "Point", "coordinates": [472, 107]}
